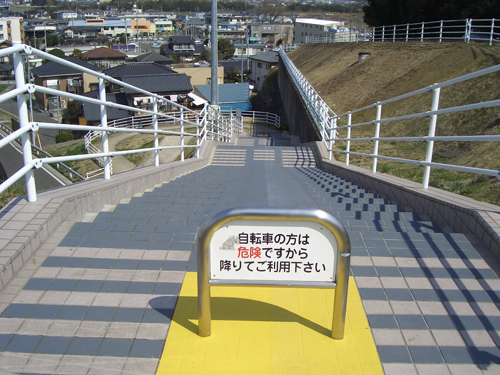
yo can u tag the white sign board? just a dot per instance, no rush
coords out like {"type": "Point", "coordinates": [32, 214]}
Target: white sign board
{"type": "Point", "coordinates": [273, 250]}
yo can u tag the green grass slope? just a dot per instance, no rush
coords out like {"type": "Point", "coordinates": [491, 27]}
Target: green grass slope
{"type": "Point", "coordinates": [394, 69]}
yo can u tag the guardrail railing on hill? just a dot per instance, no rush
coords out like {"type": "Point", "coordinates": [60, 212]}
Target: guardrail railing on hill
{"type": "Point", "coordinates": [327, 123]}
{"type": "Point", "coordinates": [267, 118]}
{"type": "Point", "coordinates": [208, 123]}
{"type": "Point", "coordinates": [467, 30]}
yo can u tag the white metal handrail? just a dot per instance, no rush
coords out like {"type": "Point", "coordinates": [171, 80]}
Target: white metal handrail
{"type": "Point", "coordinates": [209, 121]}
{"type": "Point", "coordinates": [268, 118]}
{"type": "Point", "coordinates": [329, 128]}
{"type": "Point", "coordinates": [466, 30]}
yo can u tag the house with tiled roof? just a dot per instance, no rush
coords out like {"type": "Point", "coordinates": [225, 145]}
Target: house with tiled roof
{"type": "Point", "coordinates": [105, 58]}
{"type": "Point", "coordinates": [172, 86]}
{"type": "Point", "coordinates": [231, 95]}
{"type": "Point", "coordinates": [92, 112]}
{"type": "Point", "coordinates": [182, 46]}
{"type": "Point", "coordinates": [63, 78]}
{"type": "Point", "coordinates": [260, 65]}
{"type": "Point", "coordinates": [153, 57]}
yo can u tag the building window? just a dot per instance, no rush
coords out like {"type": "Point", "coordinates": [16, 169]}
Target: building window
{"type": "Point", "coordinates": [268, 67]}
{"type": "Point", "coordinates": [259, 65]}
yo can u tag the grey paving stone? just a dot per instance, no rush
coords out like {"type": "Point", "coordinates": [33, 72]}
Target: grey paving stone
{"type": "Point", "coordinates": [388, 272]}
{"type": "Point", "coordinates": [63, 285]}
{"type": "Point", "coordinates": [72, 312]}
{"type": "Point", "coordinates": [53, 345]}
{"type": "Point", "coordinates": [44, 312]}
{"type": "Point", "coordinates": [100, 313]}
{"type": "Point", "coordinates": [75, 262]}
{"type": "Point", "coordinates": [55, 261]}
{"type": "Point", "coordinates": [18, 310]}
{"type": "Point", "coordinates": [147, 348]}
{"type": "Point", "coordinates": [84, 346]}
{"type": "Point", "coordinates": [150, 265]}
{"type": "Point", "coordinates": [102, 263]}
{"type": "Point", "coordinates": [4, 340]}
{"type": "Point", "coordinates": [372, 294]}
{"type": "Point", "coordinates": [129, 314]}
{"type": "Point", "coordinates": [458, 355]}
{"type": "Point", "coordinates": [425, 354]}
{"type": "Point", "coordinates": [111, 286]}
{"type": "Point", "coordinates": [394, 354]}
{"type": "Point", "coordinates": [364, 271]}
{"type": "Point", "coordinates": [411, 322]}
{"type": "Point", "coordinates": [115, 347]}
{"type": "Point", "coordinates": [23, 344]}
{"type": "Point", "coordinates": [126, 264]}
{"type": "Point", "coordinates": [88, 286]}
{"type": "Point", "coordinates": [382, 321]}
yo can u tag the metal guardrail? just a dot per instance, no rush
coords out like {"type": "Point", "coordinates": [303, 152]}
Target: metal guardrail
{"type": "Point", "coordinates": [268, 118]}
{"type": "Point", "coordinates": [209, 123]}
{"type": "Point", "coordinates": [467, 30]}
{"type": "Point", "coordinates": [327, 122]}
{"type": "Point", "coordinates": [37, 151]}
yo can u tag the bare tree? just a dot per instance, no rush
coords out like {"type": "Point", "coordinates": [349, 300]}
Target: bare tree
{"type": "Point", "coordinates": [269, 11]}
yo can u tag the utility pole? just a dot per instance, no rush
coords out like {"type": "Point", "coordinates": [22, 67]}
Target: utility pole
{"type": "Point", "coordinates": [214, 84]}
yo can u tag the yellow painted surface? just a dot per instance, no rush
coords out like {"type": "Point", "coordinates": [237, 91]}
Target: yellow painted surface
{"type": "Point", "coordinates": [260, 330]}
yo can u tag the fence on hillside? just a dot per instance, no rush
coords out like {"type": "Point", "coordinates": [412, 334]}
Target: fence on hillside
{"type": "Point", "coordinates": [327, 123]}
{"type": "Point", "coordinates": [467, 30]}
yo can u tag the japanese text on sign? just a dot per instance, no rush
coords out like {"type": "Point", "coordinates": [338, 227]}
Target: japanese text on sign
{"type": "Point", "coordinates": [273, 252]}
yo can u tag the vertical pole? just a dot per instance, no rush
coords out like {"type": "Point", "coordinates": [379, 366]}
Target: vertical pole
{"type": "Point", "coordinates": [383, 33]}
{"type": "Point", "coordinates": [340, 302]}
{"type": "Point", "coordinates": [22, 109]}
{"type": "Point", "coordinates": [104, 135]}
{"type": "Point", "coordinates": [432, 133]}
{"type": "Point", "coordinates": [155, 127]}
{"type": "Point", "coordinates": [377, 134]}
{"type": "Point", "coordinates": [407, 31]}
{"type": "Point", "coordinates": [441, 31]}
{"type": "Point", "coordinates": [348, 147]}
{"type": "Point", "coordinates": [182, 134]}
{"type": "Point", "coordinates": [394, 34]}
{"type": "Point", "coordinates": [492, 31]}
{"type": "Point", "coordinates": [332, 135]}
{"type": "Point", "coordinates": [197, 153]}
{"type": "Point", "coordinates": [422, 33]}
{"type": "Point", "coordinates": [214, 83]}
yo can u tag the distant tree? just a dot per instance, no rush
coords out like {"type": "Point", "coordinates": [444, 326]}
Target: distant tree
{"type": "Point", "coordinates": [78, 54]}
{"type": "Point", "coordinates": [71, 113]}
{"type": "Point", "coordinates": [391, 12]}
{"type": "Point", "coordinates": [206, 55]}
{"type": "Point", "coordinates": [269, 11]}
{"type": "Point", "coordinates": [226, 49]}
{"type": "Point", "coordinates": [57, 52]}
{"type": "Point", "coordinates": [52, 40]}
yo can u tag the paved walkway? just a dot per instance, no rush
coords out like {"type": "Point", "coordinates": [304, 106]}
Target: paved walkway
{"type": "Point", "coordinates": [98, 296]}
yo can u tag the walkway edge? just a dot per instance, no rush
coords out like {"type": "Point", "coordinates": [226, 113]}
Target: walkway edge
{"type": "Point", "coordinates": [25, 226]}
{"type": "Point", "coordinates": [462, 214]}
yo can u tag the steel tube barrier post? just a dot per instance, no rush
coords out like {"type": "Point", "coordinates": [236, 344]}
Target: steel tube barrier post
{"type": "Point", "coordinates": [348, 146]}
{"type": "Point", "coordinates": [492, 31]}
{"type": "Point", "coordinates": [422, 33]}
{"type": "Point", "coordinates": [333, 126]}
{"type": "Point", "coordinates": [394, 34]}
{"type": "Point", "coordinates": [432, 133]}
{"type": "Point", "coordinates": [106, 161]}
{"type": "Point", "coordinates": [320, 225]}
{"type": "Point", "coordinates": [383, 33]}
{"type": "Point", "coordinates": [407, 31]}
{"type": "Point", "coordinates": [155, 127]}
{"type": "Point", "coordinates": [182, 133]}
{"type": "Point", "coordinates": [377, 135]}
{"type": "Point", "coordinates": [22, 109]}
{"type": "Point", "coordinates": [441, 31]}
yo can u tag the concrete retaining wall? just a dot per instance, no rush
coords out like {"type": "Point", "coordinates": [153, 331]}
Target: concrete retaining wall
{"type": "Point", "coordinates": [297, 117]}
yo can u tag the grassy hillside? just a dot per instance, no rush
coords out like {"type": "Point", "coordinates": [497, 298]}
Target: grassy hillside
{"type": "Point", "coordinates": [393, 69]}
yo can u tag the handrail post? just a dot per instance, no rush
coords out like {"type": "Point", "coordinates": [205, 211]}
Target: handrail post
{"type": "Point", "coordinates": [155, 127]}
{"type": "Point", "coordinates": [432, 133]}
{"type": "Point", "coordinates": [492, 31]}
{"type": "Point", "coordinates": [182, 133]}
{"type": "Point", "coordinates": [441, 31]}
{"type": "Point", "coordinates": [422, 33]}
{"type": "Point", "coordinates": [104, 134]}
{"type": "Point", "coordinates": [197, 153]}
{"type": "Point", "coordinates": [377, 135]}
{"type": "Point", "coordinates": [332, 135]}
{"type": "Point", "coordinates": [22, 109]}
{"type": "Point", "coordinates": [407, 31]}
{"type": "Point", "coordinates": [348, 147]}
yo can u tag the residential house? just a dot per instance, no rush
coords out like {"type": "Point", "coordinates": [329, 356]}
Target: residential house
{"type": "Point", "coordinates": [12, 29]}
{"type": "Point", "coordinates": [105, 58]}
{"type": "Point", "coordinates": [153, 57]}
{"type": "Point", "coordinates": [270, 33]}
{"type": "Point", "coordinates": [260, 65]}
{"type": "Point", "coordinates": [201, 75]}
{"type": "Point", "coordinates": [231, 95]}
{"type": "Point", "coordinates": [61, 77]}
{"type": "Point", "coordinates": [184, 47]}
{"type": "Point", "coordinates": [92, 112]}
